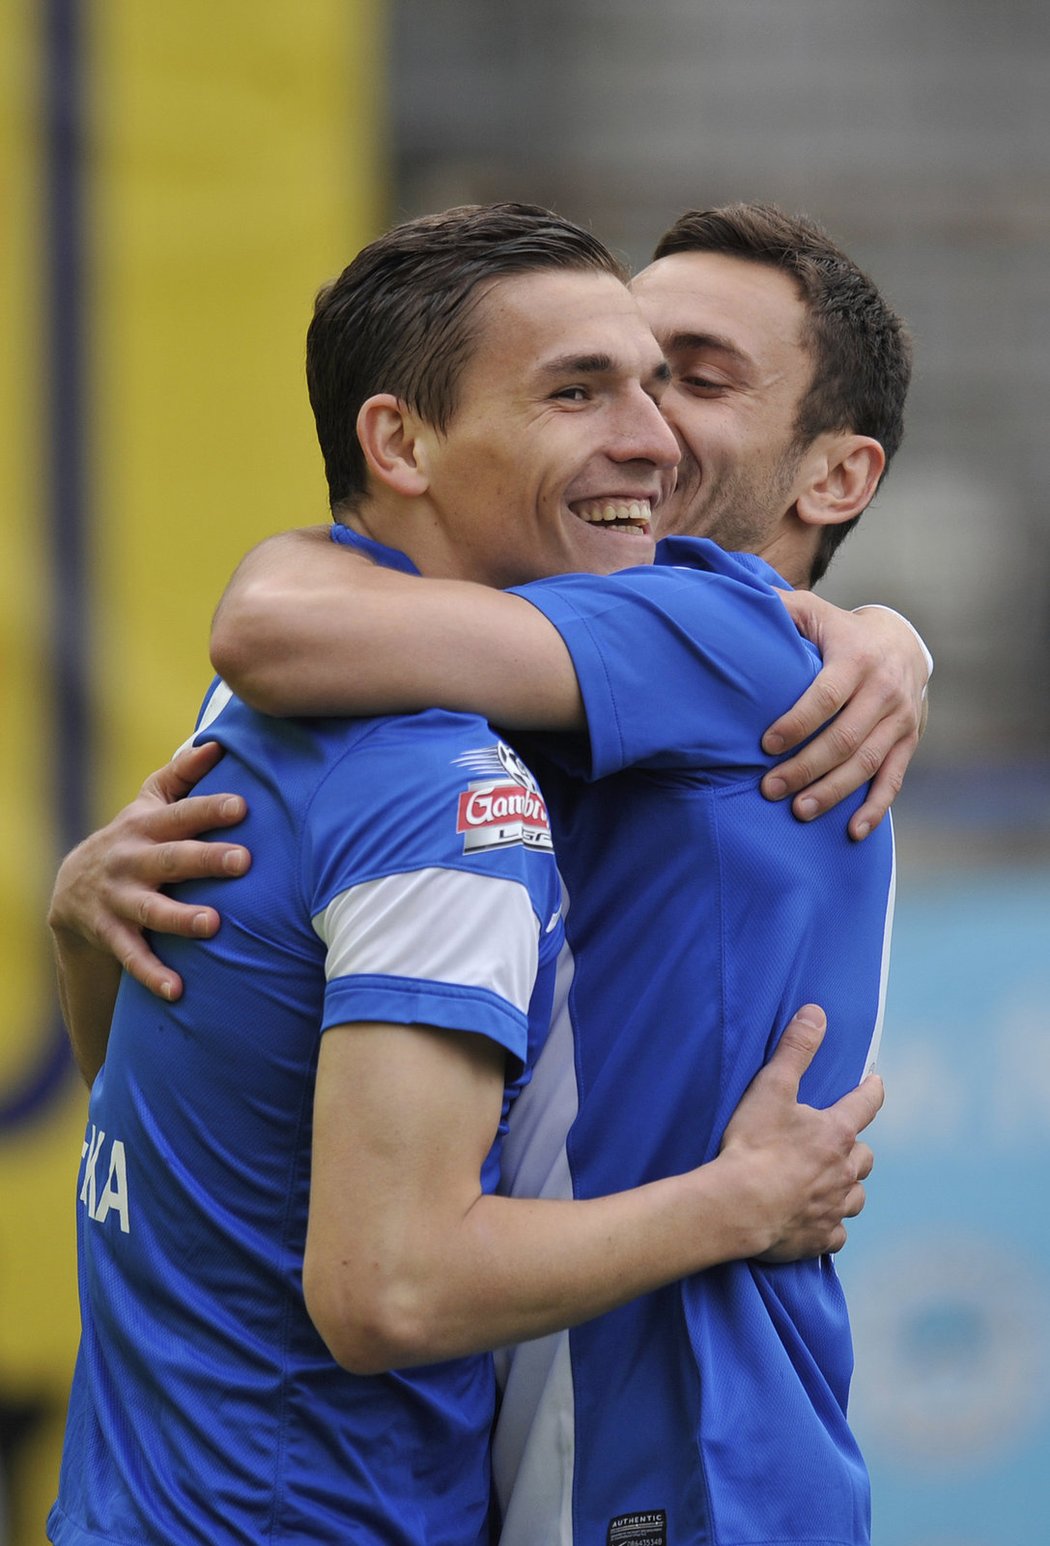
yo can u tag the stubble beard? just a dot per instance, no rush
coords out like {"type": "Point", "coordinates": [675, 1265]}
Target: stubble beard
{"type": "Point", "coordinates": [740, 511]}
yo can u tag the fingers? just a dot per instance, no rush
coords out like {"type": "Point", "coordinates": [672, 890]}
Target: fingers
{"type": "Point", "coordinates": [873, 683]}
{"type": "Point", "coordinates": [161, 915]}
{"type": "Point", "coordinates": [836, 1240]}
{"type": "Point", "coordinates": [140, 903]}
{"type": "Point", "coordinates": [189, 817]}
{"type": "Point", "coordinates": [863, 1161]}
{"type": "Point", "coordinates": [186, 768]}
{"type": "Point", "coordinates": [872, 719]}
{"type": "Point", "coordinates": [854, 773]}
{"type": "Point", "coordinates": [798, 1045]}
{"type": "Point", "coordinates": [840, 740]}
{"type": "Point", "coordinates": [132, 867]}
{"type": "Point", "coordinates": [138, 960]}
{"type": "Point", "coordinates": [825, 695]}
{"type": "Point", "coordinates": [861, 1106]}
{"type": "Point", "coordinates": [152, 910]}
{"type": "Point", "coordinates": [119, 930]}
{"type": "Point", "coordinates": [845, 757]}
{"type": "Point", "coordinates": [817, 1239]}
{"type": "Point", "coordinates": [885, 788]}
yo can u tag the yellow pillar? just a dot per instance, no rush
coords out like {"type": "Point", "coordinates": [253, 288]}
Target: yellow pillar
{"type": "Point", "coordinates": [230, 161]}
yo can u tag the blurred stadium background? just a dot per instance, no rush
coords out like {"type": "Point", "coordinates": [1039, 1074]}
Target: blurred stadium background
{"type": "Point", "coordinates": [176, 183]}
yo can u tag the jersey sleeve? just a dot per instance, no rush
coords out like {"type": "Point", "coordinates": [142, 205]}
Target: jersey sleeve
{"type": "Point", "coordinates": [679, 667]}
{"type": "Point", "coordinates": [428, 873]}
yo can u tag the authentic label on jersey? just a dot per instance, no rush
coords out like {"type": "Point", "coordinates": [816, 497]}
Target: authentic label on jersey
{"type": "Point", "coordinates": [503, 805]}
{"type": "Point", "coordinates": [645, 1528]}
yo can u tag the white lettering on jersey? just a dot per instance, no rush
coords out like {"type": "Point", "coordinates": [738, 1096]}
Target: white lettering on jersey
{"type": "Point", "coordinates": [114, 1195]}
{"type": "Point", "coordinates": [91, 1149]}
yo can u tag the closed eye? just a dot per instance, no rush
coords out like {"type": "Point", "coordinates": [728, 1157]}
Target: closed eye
{"type": "Point", "coordinates": [703, 383]}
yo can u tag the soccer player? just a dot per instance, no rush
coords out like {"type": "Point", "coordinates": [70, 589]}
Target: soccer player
{"type": "Point", "coordinates": [714, 1409]}
{"type": "Point", "coordinates": [287, 1186]}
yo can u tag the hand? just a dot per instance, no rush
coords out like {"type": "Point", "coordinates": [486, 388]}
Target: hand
{"type": "Point", "coordinates": [807, 1165]}
{"type": "Point", "coordinates": [873, 683]}
{"type": "Point", "coordinates": [108, 889]}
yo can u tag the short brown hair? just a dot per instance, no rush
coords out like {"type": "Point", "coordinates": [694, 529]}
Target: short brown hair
{"type": "Point", "coordinates": [399, 317]}
{"type": "Point", "coordinates": [860, 347]}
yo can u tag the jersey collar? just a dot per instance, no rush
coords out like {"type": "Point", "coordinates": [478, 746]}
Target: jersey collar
{"type": "Point", "coordinates": [388, 558]}
{"type": "Point", "coordinates": [702, 553]}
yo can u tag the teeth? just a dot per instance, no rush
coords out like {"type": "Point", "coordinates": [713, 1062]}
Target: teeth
{"type": "Point", "coordinates": [632, 515]}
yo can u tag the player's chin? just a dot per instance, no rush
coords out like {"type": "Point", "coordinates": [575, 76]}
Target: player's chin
{"type": "Point", "coordinates": [603, 549]}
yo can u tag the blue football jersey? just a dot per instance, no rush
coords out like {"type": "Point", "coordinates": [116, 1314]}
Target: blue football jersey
{"type": "Point", "coordinates": [699, 917]}
{"type": "Point", "coordinates": [402, 872]}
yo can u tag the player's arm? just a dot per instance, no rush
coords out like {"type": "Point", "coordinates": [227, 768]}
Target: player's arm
{"type": "Point", "coordinates": [308, 626]}
{"type": "Point", "coordinates": [300, 608]}
{"type": "Point", "coordinates": [871, 698]}
{"type": "Point", "coordinates": [107, 893]}
{"type": "Point", "coordinates": [407, 1261]}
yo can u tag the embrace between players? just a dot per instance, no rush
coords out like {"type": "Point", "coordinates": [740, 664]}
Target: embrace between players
{"type": "Point", "coordinates": [499, 1044]}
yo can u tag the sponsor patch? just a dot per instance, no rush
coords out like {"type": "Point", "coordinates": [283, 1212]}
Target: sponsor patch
{"type": "Point", "coordinates": [502, 804]}
{"type": "Point", "coordinates": [645, 1527]}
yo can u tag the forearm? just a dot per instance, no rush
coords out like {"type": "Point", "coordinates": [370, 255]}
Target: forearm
{"type": "Point", "coordinates": [87, 981]}
{"type": "Point", "coordinates": [513, 1269]}
{"type": "Point", "coordinates": [536, 1266]}
{"type": "Point", "coordinates": [407, 1262]}
{"type": "Point", "coordinates": [309, 627]}
{"type": "Point", "coordinates": [295, 617]}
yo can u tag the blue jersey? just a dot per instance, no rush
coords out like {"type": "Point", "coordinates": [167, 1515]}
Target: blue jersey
{"type": "Point", "coordinates": [402, 872]}
{"type": "Point", "coordinates": [700, 916]}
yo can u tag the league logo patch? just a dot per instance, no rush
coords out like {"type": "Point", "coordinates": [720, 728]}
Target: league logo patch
{"type": "Point", "coordinates": [502, 804]}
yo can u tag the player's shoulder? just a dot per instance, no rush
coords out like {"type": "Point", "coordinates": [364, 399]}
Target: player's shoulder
{"type": "Point", "coordinates": [432, 739]}
{"type": "Point", "coordinates": [423, 766]}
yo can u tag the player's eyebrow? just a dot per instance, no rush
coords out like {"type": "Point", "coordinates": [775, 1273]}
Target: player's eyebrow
{"type": "Point", "coordinates": [597, 365]}
{"type": "Point", "coordinates": [578, 365]}
{"type": "Point", "coordinates": [697, 343]}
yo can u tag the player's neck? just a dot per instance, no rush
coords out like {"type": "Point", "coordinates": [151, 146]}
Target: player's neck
{"type": "Point", "coordinates": [790, 553]}
{"type": "Point", "coordinates": [411, 527]}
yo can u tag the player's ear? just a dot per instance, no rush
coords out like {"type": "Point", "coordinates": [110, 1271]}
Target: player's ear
{"type": "Point", "coordinates": [839, 476]}
{"type": "Point", "coordinates": [393, 440]}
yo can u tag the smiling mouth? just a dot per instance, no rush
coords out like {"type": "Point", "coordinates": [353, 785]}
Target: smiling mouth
{"type": "Point", "coordinates": [631, 516]}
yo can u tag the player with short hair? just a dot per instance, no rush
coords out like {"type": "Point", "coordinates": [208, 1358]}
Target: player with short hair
{"type": "Point", "coordinates": [291, 1251]}
{"type": "Point", "coordinates": [857, 349]}
{"type": "Point", "coordinates": [714, 1408]}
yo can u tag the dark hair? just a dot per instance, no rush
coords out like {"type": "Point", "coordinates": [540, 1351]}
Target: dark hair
{"type": "Point", "coordinates": [860, 347]}
{"type": "Point", "coordinates": [399, 318]}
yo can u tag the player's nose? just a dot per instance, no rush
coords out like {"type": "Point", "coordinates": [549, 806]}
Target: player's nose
{"type": "Point", "coordinates": [646, 436]}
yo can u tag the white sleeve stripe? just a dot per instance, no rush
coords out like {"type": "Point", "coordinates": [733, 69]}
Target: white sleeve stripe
{"type": "Point", "coordinates": [436, 925]}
